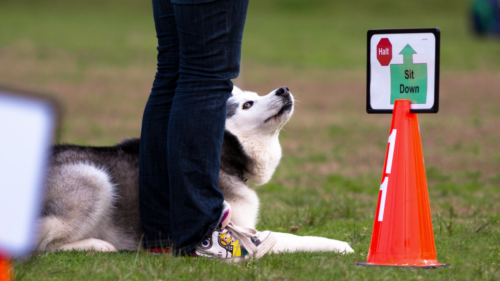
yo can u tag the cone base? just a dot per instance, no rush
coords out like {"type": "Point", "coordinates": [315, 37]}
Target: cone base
{"type": "Point", "coordinates": [433, 266]}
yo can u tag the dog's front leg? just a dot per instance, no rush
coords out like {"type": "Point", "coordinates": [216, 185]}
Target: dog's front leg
{"type": "Point", "coordinates": [244, 207]}
{"type": "Point", "coordinates": [293, 243]}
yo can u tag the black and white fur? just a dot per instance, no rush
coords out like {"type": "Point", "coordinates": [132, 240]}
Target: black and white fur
{"type": "Point", "coordinates": [92, 199]}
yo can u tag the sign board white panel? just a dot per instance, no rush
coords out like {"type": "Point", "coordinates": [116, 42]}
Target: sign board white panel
{"type": "Point", "coordinates": [403, 64]}
{"type": "Point", "coordinates": [26, 129]}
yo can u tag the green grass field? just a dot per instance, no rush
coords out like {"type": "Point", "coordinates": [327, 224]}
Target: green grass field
{"type": "Point", "coordinates": [97, 58]}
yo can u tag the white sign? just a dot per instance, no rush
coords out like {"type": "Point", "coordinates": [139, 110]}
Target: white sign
{"type": "Point", "coordinates": [403, 64]}
{"type": "Point", "coordinates": [26, 130]}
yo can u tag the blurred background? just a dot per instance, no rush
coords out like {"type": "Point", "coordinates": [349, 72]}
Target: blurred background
{"type": "Point", "coordinates": [98, 58]}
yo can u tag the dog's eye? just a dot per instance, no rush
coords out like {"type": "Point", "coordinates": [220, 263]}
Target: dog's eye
{"type": "Point", "coordinates": [247, 104]}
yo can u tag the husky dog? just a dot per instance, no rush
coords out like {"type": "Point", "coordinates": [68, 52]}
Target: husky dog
{"type": "Point", "coordinates": [92, 194]}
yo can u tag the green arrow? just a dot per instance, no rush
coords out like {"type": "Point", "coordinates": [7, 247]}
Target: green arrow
{"type": "Point", "coordinates": [409, 80]}
{"type": "Point", "coordinates": [407, 53]}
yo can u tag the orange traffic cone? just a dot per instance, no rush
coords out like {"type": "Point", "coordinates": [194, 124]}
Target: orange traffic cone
{"type": "Point", "coordinates": [402, 231]}
{"type": "Point", "coordinates": [5, 272]}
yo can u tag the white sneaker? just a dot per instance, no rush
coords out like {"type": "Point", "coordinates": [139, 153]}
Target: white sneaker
{"type": "Point", "coordinates": [234, 243]}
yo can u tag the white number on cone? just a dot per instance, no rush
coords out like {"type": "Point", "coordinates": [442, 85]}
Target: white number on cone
{"type": "Point", "coordinates": [388, 168]}
{"type": "Point", "coordinates": [392, 143]}
{"type": "Point", "coordinates": [383, 187]}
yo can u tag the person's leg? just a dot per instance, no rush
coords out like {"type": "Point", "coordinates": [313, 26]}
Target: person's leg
{"type": "Point", "coordinates": [210, 37]}
{"type": "Point", "coordinates": [153, 175]}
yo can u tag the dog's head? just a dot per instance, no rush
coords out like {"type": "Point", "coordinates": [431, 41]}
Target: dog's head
{"type": "Point", "coordinates": [249, 114]}
{"type": "Point", "coordinates": [251, 147]}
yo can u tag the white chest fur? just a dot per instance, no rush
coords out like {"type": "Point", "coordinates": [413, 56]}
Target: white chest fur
{"type": "Point", "coordinates": [266, 155]}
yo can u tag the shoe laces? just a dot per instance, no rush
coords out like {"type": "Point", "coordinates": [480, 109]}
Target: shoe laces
{"type": "Point", "coordinates": [247, 236]}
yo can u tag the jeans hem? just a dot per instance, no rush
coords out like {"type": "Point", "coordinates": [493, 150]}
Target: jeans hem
{"type": "Point", "coordinates": [190, 248]}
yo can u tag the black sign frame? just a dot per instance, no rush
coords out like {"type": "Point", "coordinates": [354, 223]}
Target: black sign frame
{"type": "Point", "coordinates": [437, 34]}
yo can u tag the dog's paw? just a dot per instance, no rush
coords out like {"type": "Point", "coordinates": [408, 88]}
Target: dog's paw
{"type": "Point", "coordinates": [102, 246]}
{"type": "Point", "coordinates": [88, 245]}
{"type": "Point", "coordinates": [347, 249]}
{"type": "Point", "coordinates": [337, 246]}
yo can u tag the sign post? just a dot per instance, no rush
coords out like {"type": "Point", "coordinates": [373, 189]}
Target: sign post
{"type": "Point", "coordinates": [403, 79]}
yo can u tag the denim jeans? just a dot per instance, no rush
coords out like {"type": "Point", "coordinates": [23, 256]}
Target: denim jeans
{"type": "Point", "coordinates": [199, 50]}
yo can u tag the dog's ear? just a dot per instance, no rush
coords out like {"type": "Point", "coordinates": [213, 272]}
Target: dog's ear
{"type": "Point", "coordinates": [236, 91]}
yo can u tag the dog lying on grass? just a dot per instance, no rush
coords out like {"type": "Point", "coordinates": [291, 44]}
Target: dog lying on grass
{"type": "Point", "coordinates": [92, 194]}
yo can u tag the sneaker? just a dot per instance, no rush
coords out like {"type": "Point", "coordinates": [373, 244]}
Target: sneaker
{"type": "Point", "coordinates": [225, 215]}
{"type": "Point", "coordinates": [233, 243]}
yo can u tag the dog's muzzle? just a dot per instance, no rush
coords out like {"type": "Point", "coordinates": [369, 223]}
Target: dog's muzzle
{"type": "Point", "coordinates": [284, 94]}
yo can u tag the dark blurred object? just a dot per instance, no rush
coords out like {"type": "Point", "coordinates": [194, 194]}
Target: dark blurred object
{"type": "Point", "coordinates": [486, 17]}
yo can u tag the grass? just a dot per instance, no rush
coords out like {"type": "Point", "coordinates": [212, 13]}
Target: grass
{"type": "Point", "coordinates": [317, 33]}
{"type": "Point", "coordinates": [98, 59]}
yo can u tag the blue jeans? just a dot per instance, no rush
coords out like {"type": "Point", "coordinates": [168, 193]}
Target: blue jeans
{"type": "Point", "coordinates": [199, 50]}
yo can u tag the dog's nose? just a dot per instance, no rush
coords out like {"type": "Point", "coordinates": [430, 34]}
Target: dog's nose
{"type": "Point", "coordinates": [283, 91]}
